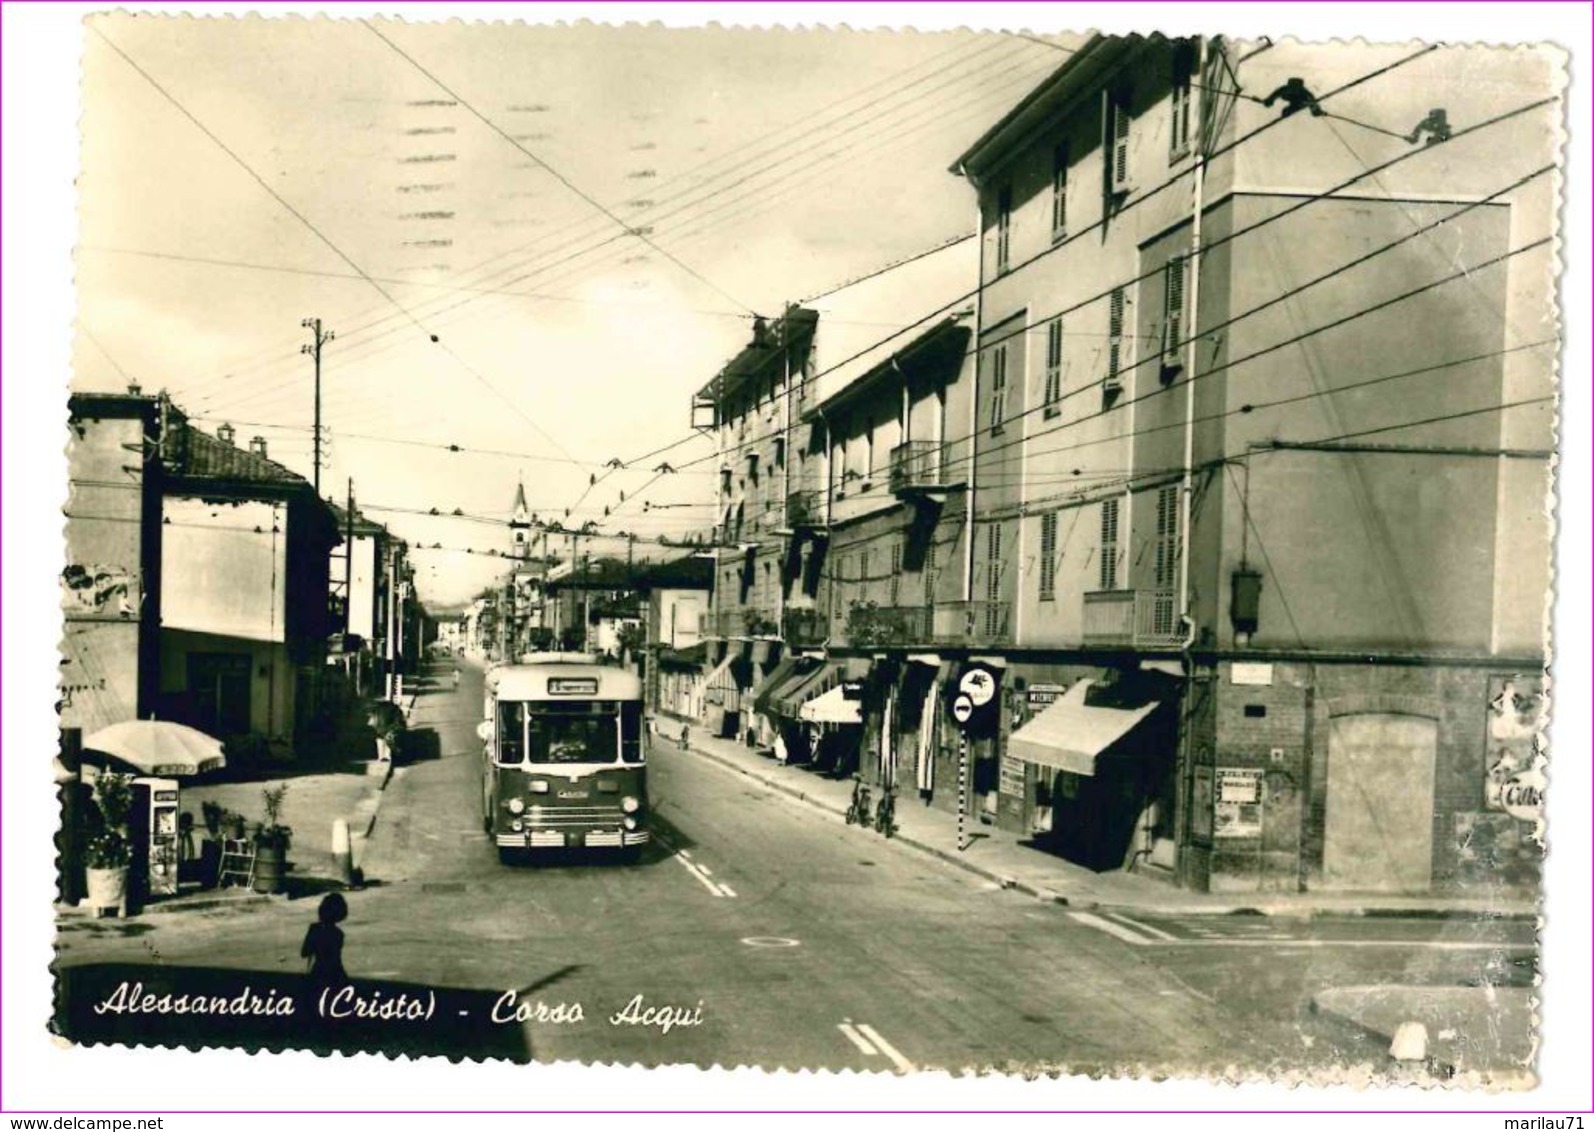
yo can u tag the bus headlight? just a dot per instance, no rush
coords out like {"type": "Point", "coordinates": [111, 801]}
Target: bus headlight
{"type": "Point", "coordinates": [517, 825]}
{"type": "Point", "coordinates": [516, 806]}
{"type": "Point", "coordinates": [629, 822]}
{"type": "Point", "coordinates": [630, 804]}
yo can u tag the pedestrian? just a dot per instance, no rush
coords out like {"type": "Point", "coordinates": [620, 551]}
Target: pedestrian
{"type": "Point", "coordinates": [456, 676]}
{"type": "Point", "coordinates": [686, 736]}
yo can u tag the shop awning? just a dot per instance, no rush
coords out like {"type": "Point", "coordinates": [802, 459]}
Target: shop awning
{"type": "Point", "coordinates": [1069, 734]}
{"type": "Point", "coordinates": [832, 707]}
{"type": "Point", "coordinates": [778, 678]}
{"type": "Point", "coordinates": [788, 701]}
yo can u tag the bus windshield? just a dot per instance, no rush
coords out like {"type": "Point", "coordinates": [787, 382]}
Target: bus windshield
{"type": "Point", "coordinates": [565, 733]}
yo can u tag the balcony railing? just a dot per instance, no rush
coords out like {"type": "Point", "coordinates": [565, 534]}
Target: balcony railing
{"type": "Point", "coordinates": [866, 624]}
{"type": "Point", "coordinates": [804, 510]}
{"type": "Point", "coordinates": [1133, 618]}
{"type": "Point", "coordinates": [804, 628]}
{"type": "Point", "coordinates": [977, 623]}
{"type": "Point", "coordinates": [916, 466]}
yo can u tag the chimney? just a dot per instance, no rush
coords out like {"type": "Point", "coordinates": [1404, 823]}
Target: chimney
{"type": "Point", "coordinates": [257, 445]}
{"type": "Point", "coordinates": [134, 389]}
{"type": "Point", "coordinates": [225, 434]}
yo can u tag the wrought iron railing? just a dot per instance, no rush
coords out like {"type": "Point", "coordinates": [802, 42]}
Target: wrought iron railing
{"type": "Point", "coordinates": [1132, 618]}
{"type": "Point", "coordinates": [976, 623]}
{"type": "Point", "coordinates": [915, 464]}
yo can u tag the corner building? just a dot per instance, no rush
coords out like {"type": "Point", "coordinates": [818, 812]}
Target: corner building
{"type": "Point", "coordinates": [1260, 444]}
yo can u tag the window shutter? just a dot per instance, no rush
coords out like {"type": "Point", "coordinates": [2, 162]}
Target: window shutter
{"type": "Point", "coordinates": [998, 388]}
{"type": "Point", "coordinates": [1173, 313]}
{"type": "Point", "coordinates": [1059, 192]}
{"type": "Point", "coordinates": [1120, 142]}
{"type": "Point", "coordinates": [1054, 360]}
{"type": "Point", "coordinates": [1048, 578]}
{"type": "Point", "coordinates": [896, 571]}
{"type": "Point", "coordinates": [1109, 544]}
{"type": "Point", "coordinates": [1115, 338]}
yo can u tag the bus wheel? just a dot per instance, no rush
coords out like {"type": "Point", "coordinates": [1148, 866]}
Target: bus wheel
{"type": "Point", "coordinates": [509, 856]}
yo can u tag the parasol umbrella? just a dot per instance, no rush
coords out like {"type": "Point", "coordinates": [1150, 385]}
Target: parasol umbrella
{"type": "Point", "coordinates": [158, 747]}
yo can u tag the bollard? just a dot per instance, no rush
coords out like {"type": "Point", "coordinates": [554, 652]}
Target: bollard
{"type": "Point", "coordinates": [341, 852]}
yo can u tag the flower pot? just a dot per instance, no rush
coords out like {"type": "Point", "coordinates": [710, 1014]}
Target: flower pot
{"type": "Point", "coordinates": [270, 863]}
{"type": "Point", "coordinates": [108, 887]}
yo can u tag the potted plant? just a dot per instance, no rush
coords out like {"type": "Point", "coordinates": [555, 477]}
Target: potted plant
{"type": "Point", "coordinates": [109, 850]}
{"type": "Point", "coordinates": [272, 840]}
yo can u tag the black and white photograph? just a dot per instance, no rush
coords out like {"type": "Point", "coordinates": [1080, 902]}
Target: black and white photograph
{"type": "Point", "coordinates": [805, 545]}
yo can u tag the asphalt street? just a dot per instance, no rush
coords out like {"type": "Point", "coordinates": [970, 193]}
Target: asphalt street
{"type": "Point", "coordinates": [759, 931]}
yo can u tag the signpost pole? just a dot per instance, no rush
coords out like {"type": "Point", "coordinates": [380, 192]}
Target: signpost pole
{"type": "Point", "coordinates": [963, 789]}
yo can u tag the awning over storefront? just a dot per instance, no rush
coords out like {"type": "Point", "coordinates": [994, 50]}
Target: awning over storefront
{"type": "Point", "coordinates": [1070, 733]}
{"type": "Point", "coordinates": [789, 700]}
{"type": "Point", "coordinates": [782, 674]}
{"type": "Point", "coordinates": [693, 656]}
{"type": "Point", "coordinates": [832, 707]}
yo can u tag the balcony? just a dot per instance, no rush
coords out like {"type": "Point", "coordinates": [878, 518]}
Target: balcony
{"type": "Point", "coordinates": [1132, 618]}
{"type": "Point", "coordinates": [901, 625]}
{"type": "Point", "coordinates": [975, 623]}
{"type": "Point", "coordinates": [804, 511]}
{"type": "Point", "coordinates": [804, 628]}
{"type": "Point", "coordinates": [916, 469]}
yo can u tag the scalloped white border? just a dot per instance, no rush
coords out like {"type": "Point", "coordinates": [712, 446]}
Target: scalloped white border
{"type": "Point", "coordinates": [39, 73]}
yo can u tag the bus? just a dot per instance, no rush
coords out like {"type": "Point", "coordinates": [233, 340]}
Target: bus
{"type": "Point", "coordinates": [564, 762]}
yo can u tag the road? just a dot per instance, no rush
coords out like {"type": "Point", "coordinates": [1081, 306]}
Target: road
{"type": "Point", "coordinates": [773, 934]}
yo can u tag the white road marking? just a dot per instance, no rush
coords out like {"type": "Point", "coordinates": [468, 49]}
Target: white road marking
{"type": "Point", "coordinates": [871, 1034]}
{"type": "Point", "coordinates": [1136, 925]}
{"type": "Point", "coordinates": [857, 1039]}
{"type": "Point", "coordinates": [727, 889]}
{"type": "Point", "coordinates": [1117, 931]}
{"type": "Point", "coordinates": [1162, 939]}
{"type": "Point", "coordinates": [693, 869]}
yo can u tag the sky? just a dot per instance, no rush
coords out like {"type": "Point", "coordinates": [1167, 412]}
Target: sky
{"type": "Point", "coordinates": [186, 326]}
{"type": "Point", "coordinates": [585, 218]}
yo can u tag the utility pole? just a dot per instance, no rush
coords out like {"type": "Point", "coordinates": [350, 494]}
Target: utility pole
{"type": "Point", "coordinates": [348, 582]}
{"type": "Point", "coordinates": [313, 348]}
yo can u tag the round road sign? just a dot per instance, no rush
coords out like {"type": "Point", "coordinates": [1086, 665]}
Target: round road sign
{"type": "Point", "coordinates": [962, 708]}
{"type": "Point", "coordinates": [978, 685]}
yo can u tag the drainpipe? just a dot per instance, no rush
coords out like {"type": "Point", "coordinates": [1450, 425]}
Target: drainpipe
{"type": "Point", "coordinates": [974, 393]}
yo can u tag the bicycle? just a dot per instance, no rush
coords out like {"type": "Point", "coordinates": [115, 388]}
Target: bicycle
{"type": "Point", "coordinates": [858, 808]}
{"type": "Point", "coordinates": [885, 815]}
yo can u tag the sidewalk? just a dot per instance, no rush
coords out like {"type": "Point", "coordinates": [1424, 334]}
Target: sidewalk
{"type": "Point", "coordinates": [1001, 857]}
{"type": "Point", "coordinates": [316, 798]}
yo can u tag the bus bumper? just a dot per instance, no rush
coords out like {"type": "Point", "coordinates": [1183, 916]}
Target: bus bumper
{"type": "Point", "coordinates": [558, 839]}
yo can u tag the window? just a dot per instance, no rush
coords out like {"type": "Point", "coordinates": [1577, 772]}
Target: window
{"type": "Point", "coordinates": [991, 623]}
{"type": "Point", "coordinates": [1004, 228]}
{"type": "Point", "coordinates": [1054, 366]}
{"type": "Point", "coordinates": [896, 571]}
{"type": "Point", "coordinates": [1108, 578]}
{"type": "Point", "coordinates": [1179, 106]}
{"type": "Point", "coordinates": [998, 388]}
{"type": "Point", "coordinates": [1059, 193]}
{"type": "Point", "coordinates": [1118, 119]}
{"type": "Point", "coordinates": [1115, 340]}
{"type": "Point", "coordinates": [1167, 564]}
{"type": "Point", "coordinates": [1172, 315]}
{"type": "Point", "coordinates": [1048, 573]}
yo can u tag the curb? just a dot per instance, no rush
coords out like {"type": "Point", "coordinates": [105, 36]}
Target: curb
{"type": "Point", "coordinates": [1098, 903]}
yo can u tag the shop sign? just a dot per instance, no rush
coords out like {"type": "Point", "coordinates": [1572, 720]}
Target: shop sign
{"type": "Point", "coordinates": [1513, 782]}
{"type": "Point", "coordinates": [1011, 780]}
{"type": "Point", "coordinates": [1237, 809]}
{"type": "Point", "coordinates": [1251, 673]}
{"type": "Point", "coordinates": [1042, 694]}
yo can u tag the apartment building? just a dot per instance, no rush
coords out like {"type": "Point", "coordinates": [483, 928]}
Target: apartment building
{"type": "Point", "coordinates": [1260, 450]}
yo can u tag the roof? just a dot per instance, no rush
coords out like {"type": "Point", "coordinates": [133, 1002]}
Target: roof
{"type": "Point", "coordinates": [102, 405]}
{"type": "Point", "coordinates": [689, 573]}
{"type": "Point", "coordinates": [945, 341]}
{"type": "Point", "coordinates": [530, 681]}
{"type": "Point", "coordinates": [794, 329]}
{"type": "Point", "coordinates": [209, 458]}
{"type": "Point", "coordinates": [1081, 73]}
{"type": "Point", "coordinates": [362, 527]}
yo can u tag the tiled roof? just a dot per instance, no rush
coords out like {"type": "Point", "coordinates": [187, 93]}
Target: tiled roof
{"type": "Point", "coordinates": [209, 458]}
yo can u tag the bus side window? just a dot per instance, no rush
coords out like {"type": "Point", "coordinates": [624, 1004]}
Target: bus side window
{"type": "Point", "coordinates": [510, 733]}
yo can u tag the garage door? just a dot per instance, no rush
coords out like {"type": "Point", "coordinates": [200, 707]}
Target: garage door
{"type": "Point", "coordinates": [1378, 827]}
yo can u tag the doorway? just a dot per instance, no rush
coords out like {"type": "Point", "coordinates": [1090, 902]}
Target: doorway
{"type": "Point", "coordinates": [1378, 821]}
